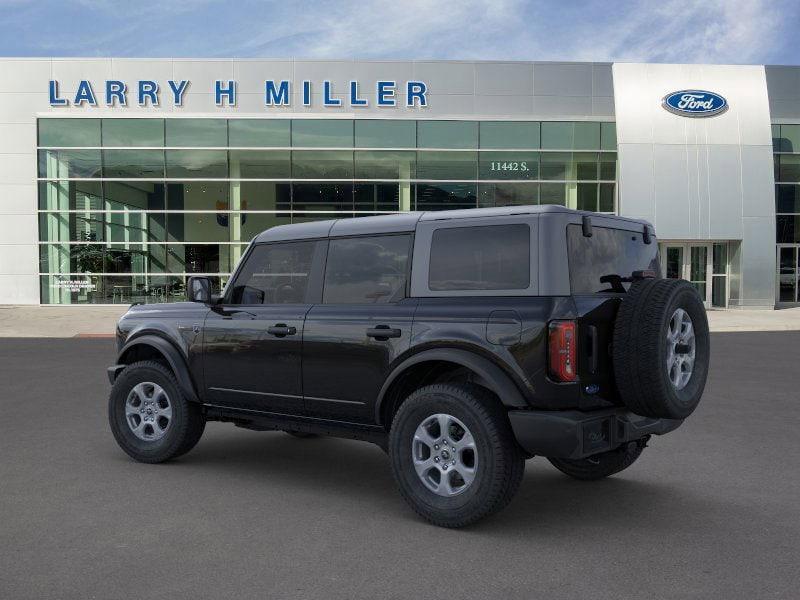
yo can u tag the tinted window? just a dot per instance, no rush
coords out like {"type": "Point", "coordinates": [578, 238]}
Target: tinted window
{"type": "Point", "coordinates": [274, 274]}
{"type": "Point", "coordinates": [607, 252]}
{"type": "Point", "coordinates": [493, 257]}
{"type": "Point", "coordinates": [366, 270]}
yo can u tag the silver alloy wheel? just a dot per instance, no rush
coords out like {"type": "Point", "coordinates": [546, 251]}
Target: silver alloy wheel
{"type": "Point", "coordinates": [444, 454]}
{"type": "Point", "coordinates": [148, 411]}
{"type": "Point", "coordinates": [681, 348]}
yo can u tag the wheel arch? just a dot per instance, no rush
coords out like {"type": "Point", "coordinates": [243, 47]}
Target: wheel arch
{"type": "Point", "coordinates": [415, 370]}
{"type": "Point", "coordinates": [151, 346]}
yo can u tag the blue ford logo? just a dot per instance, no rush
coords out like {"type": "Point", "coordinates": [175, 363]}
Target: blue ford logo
{"type": "Point", "coordinates": [695, 103]}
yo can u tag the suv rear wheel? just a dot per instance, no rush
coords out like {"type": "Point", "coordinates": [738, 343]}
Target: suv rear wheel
{"type": "Point", "coordinates": [601, 465]}
{"type": "Point", "coordinates": [453, 454]}
{"type": "Point", "coordinates": [150, 418]}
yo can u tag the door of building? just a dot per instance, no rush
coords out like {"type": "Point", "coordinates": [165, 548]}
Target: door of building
{"type": "Point", "coordinates": [787, 288]}
{"type": "Point", "coordinates": [689, 261]}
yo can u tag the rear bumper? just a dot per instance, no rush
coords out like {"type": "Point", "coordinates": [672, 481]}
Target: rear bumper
{"type": "Point", "coordinates": [576, 434]}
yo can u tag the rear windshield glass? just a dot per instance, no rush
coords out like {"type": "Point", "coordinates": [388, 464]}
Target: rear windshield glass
{"type": "Point", "coordinates": [607, 252]}
{"type": "Point", "coordinates": [490, 257]}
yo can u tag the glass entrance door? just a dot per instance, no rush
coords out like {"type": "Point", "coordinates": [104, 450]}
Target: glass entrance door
{"type": "Point", "coordinates": [787, 292]}
{"type": "Point", "coordinates": [691, 262]}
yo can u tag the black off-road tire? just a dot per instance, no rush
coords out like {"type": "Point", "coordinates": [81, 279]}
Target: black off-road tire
{"type": "Point", "coordinates": [602, 465]}
{"type": "Point", "coordinates": [185, 430]}
{"type": "Point", "coordinates": [500, 465]}
{"type": "Point", "coordinates": [640, 348]}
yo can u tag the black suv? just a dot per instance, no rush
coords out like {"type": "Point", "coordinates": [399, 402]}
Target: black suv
{"type": "Point", "coordinates": [461, 342]}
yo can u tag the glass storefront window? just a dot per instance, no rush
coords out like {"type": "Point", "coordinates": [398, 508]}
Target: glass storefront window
{"type": "Point", "coordinates": [509, 165]}
{"type": "Point", "coordinates": [260, 164]}
{"type": "Point", "coordinates": [382, 197]}
{"type": "Point", "coordinates": [200, 164]}
{"type": "Point", "coordinates": [133, 164]}
{"type": "Point", "coordinates": [446, 196]}
{"type": "Point", "coordinates": [322, 164]}
{"type": "Point", "coordinates": [788, 168]}
{"type": "Point", "coordinates": [386, 164]}
{"type": "Point", "coordinates": [170, 196]}
{"type": "Point", "coordinates": [197, 133]}
{"type": "Point", "coordinates": [383, 133]}
{"type": "Point", "coordinates": [608, 136]}
{"type": "Point", "coordinates": [331, 197]}
{"type": "Point", "coordinates": [447, 165]}
{"type": "Point", "coordinates": [133, 132]}
{"type": "Point", "coordinates": [788, 138]}
{"type": "Point", "coordinates": [556, 166]}
{"type": "Point", "coordinates": [322, 133]}
{"type": "Point", "coordinates": [507, 194]}
{"type": "Point", "coordinates": [69, 164]}
{"type": "Point", "coordinates": [514, 135]}
{"type": "Point", "coordinates": [787, 198]}
{"type": "Point", "coordinates": [69, 133]}
{"type": "Point", "coordinates": [787, 229]}
{"type": "Point", "coordinates": [134, 195]}
{"type": "Point", "coordinates": [259, 133]}
{"type": "Point", "coordinates": [447, 134]}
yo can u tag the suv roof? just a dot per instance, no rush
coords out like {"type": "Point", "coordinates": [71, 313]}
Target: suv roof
{"type": "Point", "coordinates": [407, 221]}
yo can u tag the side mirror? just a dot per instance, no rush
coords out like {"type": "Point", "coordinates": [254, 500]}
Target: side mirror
{"type": "Point", "coordinates": [198, 289]}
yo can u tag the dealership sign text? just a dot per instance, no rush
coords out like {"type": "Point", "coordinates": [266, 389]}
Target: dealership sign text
{"type": "Point", "coordinates": [276, 93]}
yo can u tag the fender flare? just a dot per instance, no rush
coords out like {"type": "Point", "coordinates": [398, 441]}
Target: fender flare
{"type": "Point", "coordinates": [495, 378]}
{"type": "Point", "coordinates": [173, 356]}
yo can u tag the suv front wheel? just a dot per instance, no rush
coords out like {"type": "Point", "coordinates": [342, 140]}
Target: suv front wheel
{"type": "Point", "coordinates": [453, 454]}
{"type": "Point", "coordinates": [150, 417]}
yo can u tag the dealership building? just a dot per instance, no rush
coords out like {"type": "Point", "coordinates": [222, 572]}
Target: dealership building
{"type": "Point", "coordinates": [121, 177]}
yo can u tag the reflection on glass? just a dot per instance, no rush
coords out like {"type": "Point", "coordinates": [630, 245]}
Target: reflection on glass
{"type": "Point", "coordinates": [556, 165]}
{"type": "Point", "coordinates": [134, 195]}
{"type": "Point", "coordinates": [508, 194]}
{"type": "Point", "coordinates": [197, 133]}
{"type": "Point", "coordinates": [322, 164]}
{"type": "Point", "coordinates": [384, 133]}
{"type": "Point", "coordinates": [381, 197]}
{"type": "Point", "coordinates": [260, 164]}
{"type": "Point", "coordinates": [446, 196]}
{"type": "Point", "coordinates": [509, 134]}
{"type": "Point", "coordinates": [198, 195]}
{"type": "Point", "coordinates": [64, 164]}
{"type": "Point", "coordinates": [587, 196]}
{"type": "Point", "coordinates": [70, 195]}
{"type": "Point", "coordinates": [385, 165]}
{"type": "Point", "coordinates": [674, 262]}
{"type": "Point", "coordinates": [787, 198]}
{"type": "Point", "coordinates": [259, 133]}
{"type": "Point", "coordinates": [261, 195]}
{"type": "Point", "coordinates": [65, 133]}
{"type": "Point", "coordinates": [322, 133]}
{"type": "Point", "coordinates": [132, 164]}
{"type": "Point", "coordinates": [197, 164]}
{"type": "Point", "coordinates": [447, 165]}
{"type": "Point", "coordinates": [322, 197]}
{"type": "Point", "coordinates": [789, 169]}
{"type": "Point", "coordinates": [608, 136]}
{"type": "Point", "coordinates": [553, 193]}
{"type": "Point", "coordinates": [133, 132]}
{"type": "Point", "coordinates": [447, 134]}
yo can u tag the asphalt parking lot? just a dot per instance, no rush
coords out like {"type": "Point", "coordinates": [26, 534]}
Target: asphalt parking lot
{"type": "Point", "coordinates": [710, 511]}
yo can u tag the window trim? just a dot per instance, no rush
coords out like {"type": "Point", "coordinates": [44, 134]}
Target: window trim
{"type": "Point", "coordinates": [406, 288]}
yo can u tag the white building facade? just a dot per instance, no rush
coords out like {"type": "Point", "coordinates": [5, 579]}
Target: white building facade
{"type": "Point", "coordinates": [121, 177]}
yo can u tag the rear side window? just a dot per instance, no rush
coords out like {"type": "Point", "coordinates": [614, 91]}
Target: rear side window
{"type": "Point", "coordinates": [366, 270]}
{"type": "Point", "coordinates": [489, 257]}
{"type": "Point", "coordinates": [274, 274]}
{"type": "Point", "coordinates": [607, 252]}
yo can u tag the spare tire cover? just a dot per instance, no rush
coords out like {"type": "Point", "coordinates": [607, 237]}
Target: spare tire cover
{"type": "Point", "coordinates": [661, 348]}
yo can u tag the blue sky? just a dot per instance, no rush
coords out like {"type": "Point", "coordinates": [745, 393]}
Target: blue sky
{"type": "Point", "coordinates": [712, 31]}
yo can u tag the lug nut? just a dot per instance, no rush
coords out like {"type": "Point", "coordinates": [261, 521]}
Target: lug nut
{"type": "Point", "coordinates": [453, 463]}
{"type": "Point", "coordinates": [444, 442]}
{"type": "Point", "coordinates": [445, 467]}
{"type": "Point", "coordinates": [435, 459]}
{"type": "Point", "coordinates": [436, 446]}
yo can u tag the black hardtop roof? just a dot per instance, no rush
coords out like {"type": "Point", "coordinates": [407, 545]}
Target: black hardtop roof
{"type": "Point", "coordinates": [405, 222]}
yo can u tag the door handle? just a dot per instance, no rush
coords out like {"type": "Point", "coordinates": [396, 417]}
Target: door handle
{"type": "Point", "coordinates": [383, 333]}
{"type": "Point", "coordinates": [281, 330]}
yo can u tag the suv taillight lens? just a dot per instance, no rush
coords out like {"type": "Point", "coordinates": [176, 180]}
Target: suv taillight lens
{"type": "Point", "coordinates": [561, 350]}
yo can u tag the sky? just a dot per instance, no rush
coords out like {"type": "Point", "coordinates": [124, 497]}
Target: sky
{"type": "Point", "coordinates": [688, 31]}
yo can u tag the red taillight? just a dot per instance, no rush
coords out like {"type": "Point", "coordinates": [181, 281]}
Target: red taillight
{"type": "Point", "coordinates": [561, 350]}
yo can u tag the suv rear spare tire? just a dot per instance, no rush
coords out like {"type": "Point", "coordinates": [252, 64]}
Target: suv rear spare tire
{"type": "Point", "coordinates": [661, 348]}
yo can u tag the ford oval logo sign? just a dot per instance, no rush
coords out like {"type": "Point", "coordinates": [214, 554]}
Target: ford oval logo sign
{"type": "Point", "coordinates": [695, 103]}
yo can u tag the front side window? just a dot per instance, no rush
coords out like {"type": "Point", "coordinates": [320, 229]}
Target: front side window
{"type": "Point", "coordinates": [490, 257]}
{"type": "Point", "coordinates": [274, 274]}
{"type": "Point", "coordinates": [366, 270]}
